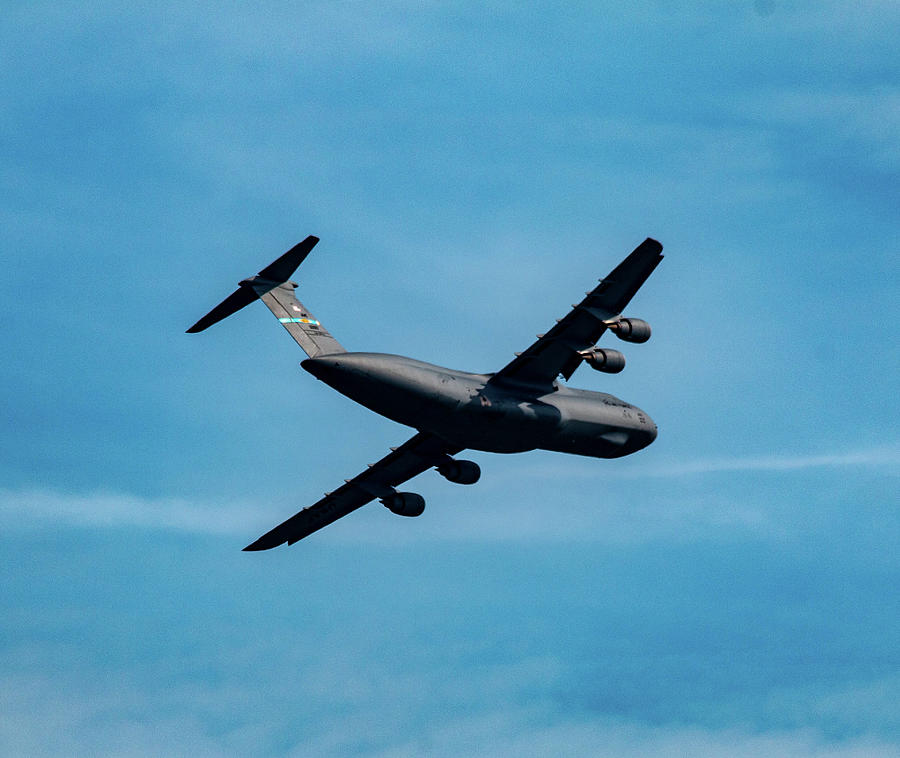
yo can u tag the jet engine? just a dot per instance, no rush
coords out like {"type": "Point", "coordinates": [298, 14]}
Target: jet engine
{"type": "Point", "coordinates": [603, 359]}
{"type": "Point", "coordinates": [460, 472]}
{"type": "Point", "coordinates": [404, 503]}
{"type": "Point", "coordinates": [631, 329]}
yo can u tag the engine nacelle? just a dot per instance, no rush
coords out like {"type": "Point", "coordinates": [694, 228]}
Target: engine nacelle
{"type": "Point", "coordinates": [460, 472]}
{"type": "Point", "coordinates": [404, 503]}
{"type": "Point", "coordinates": [604, 359]}
{"type": "Point", "coordinates": [631, 330]}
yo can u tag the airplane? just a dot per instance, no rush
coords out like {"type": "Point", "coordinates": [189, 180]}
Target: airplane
{"type": "Point", "coordinates": [519, 408]}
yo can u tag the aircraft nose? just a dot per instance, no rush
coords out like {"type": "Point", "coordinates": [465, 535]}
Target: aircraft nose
{"type": "Point", "coordinates": [645, 431]}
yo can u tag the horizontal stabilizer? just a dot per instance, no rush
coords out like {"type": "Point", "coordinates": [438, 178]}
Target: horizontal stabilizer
{"type": "Point", "coordinates": [282, 269]}
{"type": "Point", "coordinates": [231, 304]}
{"type": "Point", "coordinates": [275, 273]}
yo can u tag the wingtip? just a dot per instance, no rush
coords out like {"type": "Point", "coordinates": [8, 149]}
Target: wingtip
{"type": "Point", "coordinates": [262, 544]}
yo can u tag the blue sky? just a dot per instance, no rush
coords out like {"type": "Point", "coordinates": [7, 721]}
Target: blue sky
{"type": "Point", "coordinates": [471, 170]}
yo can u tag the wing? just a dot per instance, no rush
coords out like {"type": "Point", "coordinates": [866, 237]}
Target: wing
{"type": "Point", "coordinates": [556, 352]}
{"type": "Point", "coordinates": [410, 459]}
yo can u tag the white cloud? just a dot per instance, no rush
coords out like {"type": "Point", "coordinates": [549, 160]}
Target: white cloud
{"type": "Point", "coordinates": [499, 735]}
{"type": "Point", "coordinates": [42, 716]}
{"type": "Point", "coordinates": [103, 509]}
{"type": "Point", "coordinates": [868, 119]}
{"type": "Point", "coordinates": [490, 511]}
{"type": "Point", "coordinates": [875, 457]}
{"type": "Point", "coordinates": [886, 459]}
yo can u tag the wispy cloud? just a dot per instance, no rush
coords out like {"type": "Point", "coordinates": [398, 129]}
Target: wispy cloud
{"type": "Point", "coordinates": [105, 509]}
{"type": "Point", "coordinates": [486, 512]}
{"type": "Point", "coordinates": [628, 740]}
{"type": "Point", "coordinates": [868, 120]}
{"type": "Point", "coordinates": [636, 468]}
{"type": "Point", "coordinates": [876, 457]}
{"type": "Point", "coordinates": [95, 720]}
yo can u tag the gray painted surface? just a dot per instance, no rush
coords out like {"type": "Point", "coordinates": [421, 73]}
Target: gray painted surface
{"type": "Point", "coordinates": [522, 407]}
{"type": "Point", "coordinates": [298, 321]}
{"type": "Point", "coordinates": [471, 411]}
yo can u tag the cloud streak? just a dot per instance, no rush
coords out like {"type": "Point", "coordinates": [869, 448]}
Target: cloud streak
{"type": "Point", "coordinates": [104, 509]}
{"type": "Point", "coordinates": [93, 720]}
{"type": "Point", "coordinates": [35, 508]}
{"type": "Point", "coordinates": [877, 458]}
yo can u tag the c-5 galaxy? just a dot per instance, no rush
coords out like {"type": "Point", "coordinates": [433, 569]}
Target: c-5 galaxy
{"type": "Point", "coordinates": [521, 407]}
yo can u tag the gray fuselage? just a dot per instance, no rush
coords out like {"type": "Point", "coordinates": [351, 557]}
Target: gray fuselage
{"type": "Point", "coordinates": [474, 412]}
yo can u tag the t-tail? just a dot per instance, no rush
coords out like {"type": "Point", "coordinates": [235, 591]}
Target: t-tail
{"type": "Point", "coordinates": [272, 285]}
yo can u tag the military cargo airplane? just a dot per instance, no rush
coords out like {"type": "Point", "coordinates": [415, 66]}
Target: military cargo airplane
{"type": "Point", "coordinates": [521, 407]}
